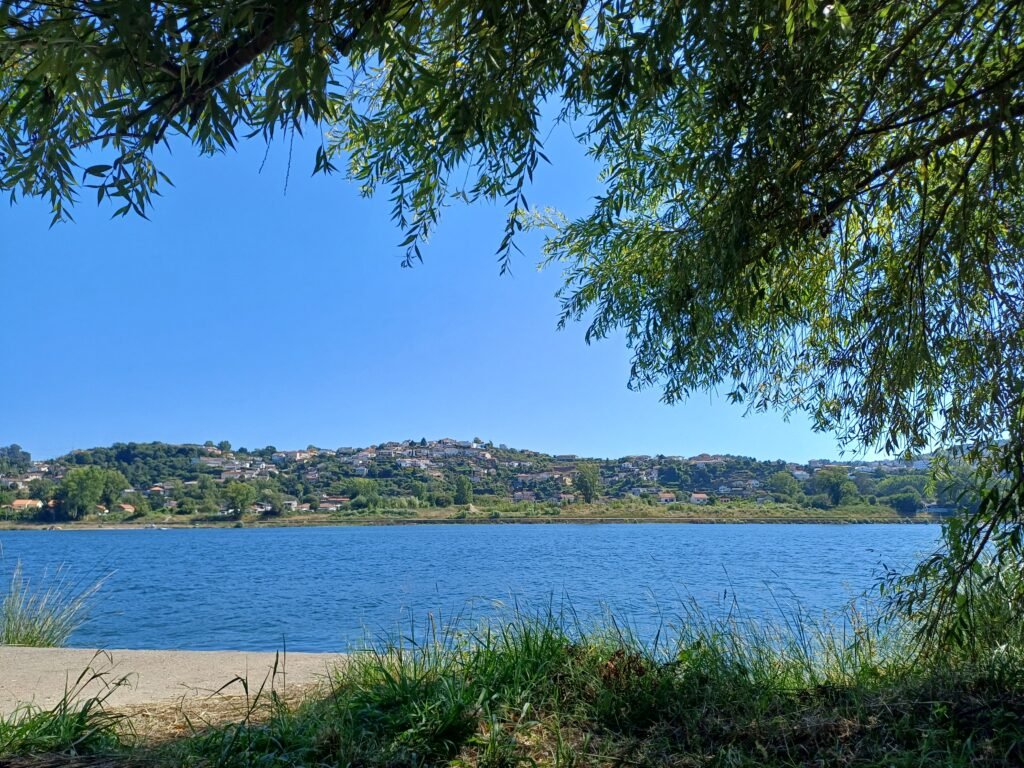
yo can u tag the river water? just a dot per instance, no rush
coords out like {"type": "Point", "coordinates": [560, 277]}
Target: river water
{"type": "Point", "coordinates": [333, 589]}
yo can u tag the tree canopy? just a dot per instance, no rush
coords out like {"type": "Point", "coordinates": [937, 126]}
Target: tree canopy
{"type": "Point", "coordinates": [815, 205]}
{"type": "Point", "coordinates": [588, 481]}
{"type": "Point", "coordinates": [83, 488]}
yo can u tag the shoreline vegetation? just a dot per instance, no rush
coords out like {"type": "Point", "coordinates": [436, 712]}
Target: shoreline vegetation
{"type": "Point", "coordinates": [429, 481]}
{"type": "Point", "coordinates": [470, 514]}
{"type": "Point", "coordinates": [545, 691]}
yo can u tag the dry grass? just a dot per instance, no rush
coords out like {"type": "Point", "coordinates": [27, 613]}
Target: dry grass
{"type": "Point", "coordinates": [153, 725]}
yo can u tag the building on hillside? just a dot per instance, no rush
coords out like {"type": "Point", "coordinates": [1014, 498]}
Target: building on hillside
{"type": "Point", "coordinates": [280, 457]}
{"type": "Point", "coordinates": [699, 498]}
{"type": "Point", "coordinates": [25, 505]}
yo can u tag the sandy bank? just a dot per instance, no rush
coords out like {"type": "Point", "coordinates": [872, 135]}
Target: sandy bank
{"type": "Point", "coordinates": [41, 675]}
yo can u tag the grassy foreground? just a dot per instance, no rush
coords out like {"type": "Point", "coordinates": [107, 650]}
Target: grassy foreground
{"type": "Point", "coordinates": [542, 692]}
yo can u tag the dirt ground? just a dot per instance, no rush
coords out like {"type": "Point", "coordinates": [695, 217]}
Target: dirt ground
{"type": "Point", "coordinates": [157, 680]}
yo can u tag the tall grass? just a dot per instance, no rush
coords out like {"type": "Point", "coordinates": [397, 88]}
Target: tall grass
{"type": "Point", "coordinates": [46, 616]}
{"type": "Point", "coordinates": [544, 691]}
{"type": "Point", "coordinates": [75, 725]}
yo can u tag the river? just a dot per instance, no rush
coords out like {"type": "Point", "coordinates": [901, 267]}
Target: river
{"type": "Point", "coordinates": [334, 589]}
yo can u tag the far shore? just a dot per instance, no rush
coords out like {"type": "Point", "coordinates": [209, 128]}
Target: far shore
{"type": "Point", "coordinates": [309, 521]}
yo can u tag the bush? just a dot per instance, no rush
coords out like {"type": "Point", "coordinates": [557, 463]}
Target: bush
{"type": "Point", "coordinates": [909, 503]}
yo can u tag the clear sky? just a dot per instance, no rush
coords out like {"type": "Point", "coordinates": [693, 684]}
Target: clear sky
{"type": "Point", "coordinates": [246, 313]}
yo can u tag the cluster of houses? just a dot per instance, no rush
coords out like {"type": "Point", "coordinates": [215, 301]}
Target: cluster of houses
{"type": "Point", "coordinates": [232, 468]}
{"type": "Point", "coordinates": [38, 470]}
{"type": "Point", "coordinates": [526, 476]}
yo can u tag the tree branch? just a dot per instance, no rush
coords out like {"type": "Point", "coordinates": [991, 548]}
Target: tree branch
{"type": "Point", "coordinates": [951, 136]}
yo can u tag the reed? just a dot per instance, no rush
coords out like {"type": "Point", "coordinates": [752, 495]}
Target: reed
{"type": "Point", "coordinates": [44, 616]}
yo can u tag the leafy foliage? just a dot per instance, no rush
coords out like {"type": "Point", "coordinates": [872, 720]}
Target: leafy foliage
{"type": "Point", "coordinates": [816, 205]}
{"type": "Point", "coordinates": [143, 464]}
{"type": "Point", "coordinates": [84, 488]}
{"type": "Point", "coordinates": [588, 481]}
{"type": "Point", "coordinates": [463, 490]}
{"type": "Point", "coordinates": [14, 459]}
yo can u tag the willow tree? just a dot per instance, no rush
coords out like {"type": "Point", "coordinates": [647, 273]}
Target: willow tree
{"type": "Point", "coordinates": [815, 206]}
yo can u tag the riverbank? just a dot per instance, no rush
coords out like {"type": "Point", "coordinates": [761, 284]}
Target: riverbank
{"type": "Point", "coordinates": [40, 677]}
{"type": "Point", "coordinates": [470, 515]}
{"type": "Point", "coordinates": [531, 692]}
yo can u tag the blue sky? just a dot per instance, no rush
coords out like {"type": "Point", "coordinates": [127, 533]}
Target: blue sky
{"type": "Point", "coordinates": [245, 313]}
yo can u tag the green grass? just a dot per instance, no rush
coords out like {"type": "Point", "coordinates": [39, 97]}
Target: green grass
{"type": "Point", "coordinates": [45, 616]}
{"type": "Point", "coordinates": [78, 724]}
{"type": "Point", "coordinates": [544, 691]}
{"type": "Point", "coordinates": [534, 692]}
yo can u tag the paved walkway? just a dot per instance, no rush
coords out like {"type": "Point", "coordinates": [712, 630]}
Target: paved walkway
{"type": "Point", "coordinates": [40, 676]}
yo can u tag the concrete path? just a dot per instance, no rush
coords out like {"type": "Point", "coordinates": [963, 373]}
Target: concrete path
{"type": "Point", "coordinates": [40, 676]}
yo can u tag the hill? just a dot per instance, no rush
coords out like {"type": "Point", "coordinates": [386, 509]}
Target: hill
{"type": "Point", "coordinates": [411, 477]}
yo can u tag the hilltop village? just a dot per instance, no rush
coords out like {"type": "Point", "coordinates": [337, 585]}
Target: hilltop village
{"type": "Point", "coordinates": [132, 479]}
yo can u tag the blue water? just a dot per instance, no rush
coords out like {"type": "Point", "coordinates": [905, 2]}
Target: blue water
{"type": "Point", "coordinates": [330, 589]}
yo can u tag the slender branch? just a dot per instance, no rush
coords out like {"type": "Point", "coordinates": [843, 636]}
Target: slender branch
{"type": "Point", "coordinates": [951, 136]}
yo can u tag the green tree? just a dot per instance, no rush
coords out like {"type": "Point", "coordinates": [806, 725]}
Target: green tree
{"type": "Point", "coordinates": [835, 484]}
{"type": "Point", "coordinates": [588, 481]}
{"type": "Point", "coordinates": [784, 484]}
{"type": "Point", "coordinates": [360, 486]}
{"type": "Point", "coordinates": [240, 496]}
{"type": "Point", "coordinates": [187, 507]}
{"type": "Point", "coordinates": [13, 459]}
{"type": "Point", "coordinates": [274, 499]}
{"type": "Point", "coordinates": [463, 490]}
{"type": "Point", "coordinates": [140, 502]}
{"type": "Point", "coordinates": [113, 483]}
{"type": "Point", "coordinates": [768, 166]}
{"type": "Point", "coordinates": [907, 502]}
{"type": "Point", "coordinates": [816, 206]}
{"type": "Point", "coordinates": [902, 483]}
{"type": "Point", "coordinates": [42, 488]}
{"type": "Point", "coordinates": [418, 490]}
{"type": "Point", "coordinates": [81, 490]}
{"type": "Point", "coordinates": [208, 506]}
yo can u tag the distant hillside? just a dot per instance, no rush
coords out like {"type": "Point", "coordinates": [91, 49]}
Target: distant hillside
{"type": "Point", "coordinates": [216, 479]}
